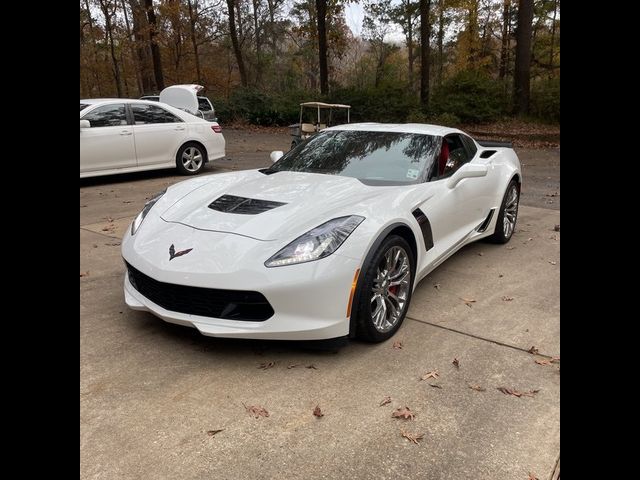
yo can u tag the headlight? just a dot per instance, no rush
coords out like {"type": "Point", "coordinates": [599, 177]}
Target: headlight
{"type": "Point", "coordinates": [147, 206]}
{"type": "Point", "coordinates": [318, 243]}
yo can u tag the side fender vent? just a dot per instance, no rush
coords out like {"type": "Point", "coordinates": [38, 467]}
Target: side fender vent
{"type": "Point", "coordinates": [487, 153]}
{"type": "Point", "coordinates": [425, 227]}
{"type": "Point", "coordinates": [242, 205]}
{"type": "Point", "coordinates": [483, 226]}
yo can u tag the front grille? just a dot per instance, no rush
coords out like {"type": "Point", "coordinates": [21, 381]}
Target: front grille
{"type": "Point", "coordinates": [242, 205]}
{"type": "Point", "coordinates": [206, 302]}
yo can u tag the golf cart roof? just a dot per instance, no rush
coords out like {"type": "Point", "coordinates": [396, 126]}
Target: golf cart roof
{"type": "Point", "coordinates": [324, 105]}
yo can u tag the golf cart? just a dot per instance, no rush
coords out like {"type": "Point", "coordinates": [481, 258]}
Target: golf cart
{"type": "Point", "coordinates": [314, 116]}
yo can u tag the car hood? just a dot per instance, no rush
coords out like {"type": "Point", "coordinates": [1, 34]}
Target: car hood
{"type": "Point", "coordinates": [306, 199]}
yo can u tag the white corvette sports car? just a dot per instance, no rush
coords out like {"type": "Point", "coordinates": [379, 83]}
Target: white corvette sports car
{"type": "Point", "coordinates": [329, 241]}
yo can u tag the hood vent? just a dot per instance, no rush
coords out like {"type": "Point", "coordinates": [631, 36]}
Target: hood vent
{"type": "Point", "coordinates": [242, 205]}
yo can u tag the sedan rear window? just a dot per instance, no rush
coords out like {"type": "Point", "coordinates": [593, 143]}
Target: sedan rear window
{"type": "Point", "coordinates": [203, 104]}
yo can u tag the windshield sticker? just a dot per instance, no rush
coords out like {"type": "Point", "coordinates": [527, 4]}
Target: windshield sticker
{"type": "Point", "coordinates": [412, 173]}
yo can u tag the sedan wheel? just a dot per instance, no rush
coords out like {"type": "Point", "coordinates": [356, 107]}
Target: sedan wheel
{"type": "Point", "coordinates": [190, 159]}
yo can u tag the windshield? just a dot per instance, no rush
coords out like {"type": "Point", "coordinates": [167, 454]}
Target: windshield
{"type": "Point", "coordinates": [377, 157]}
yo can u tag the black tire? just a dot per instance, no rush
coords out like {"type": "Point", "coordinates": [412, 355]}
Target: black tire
{"type": "Point", "coordinates": [500, 234]}
{"type": "Point", "coordinates": [198, 160]}
{"type": "Point", "coordinates": [362, 314]}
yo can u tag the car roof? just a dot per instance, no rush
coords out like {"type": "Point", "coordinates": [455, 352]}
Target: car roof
{"type": "Point", "coordinates": [92, 101]}
{"type": "Point", "coordinates": [424, 128]}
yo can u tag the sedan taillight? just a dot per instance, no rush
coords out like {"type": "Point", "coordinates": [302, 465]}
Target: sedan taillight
{"type": "Point", "coordinates": [216, 128]}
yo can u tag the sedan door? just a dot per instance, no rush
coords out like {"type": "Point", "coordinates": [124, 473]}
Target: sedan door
{"type": "Point", "coordinates": [108, 142]}
{"type": "Point", "coordinates": [158, 134]}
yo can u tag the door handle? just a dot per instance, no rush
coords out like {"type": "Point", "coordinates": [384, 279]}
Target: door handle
{"type": "Point", "coordinates": [179, 128]}
{"type": "Point", "coordinates": [126, 132]}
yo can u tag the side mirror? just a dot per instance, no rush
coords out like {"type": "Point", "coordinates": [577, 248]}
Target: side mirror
{"type": "Point", "coordinates": [85, 124]}
{"type": "Point", "coordinates": [275, 155]}
{"type": "Point", "coordinates": [469, 170]}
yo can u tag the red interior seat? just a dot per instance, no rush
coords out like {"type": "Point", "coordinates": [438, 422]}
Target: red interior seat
{"type": "Point", "coordinates": [444, 156]}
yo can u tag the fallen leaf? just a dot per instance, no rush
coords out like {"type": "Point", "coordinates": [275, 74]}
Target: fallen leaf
{"type": "Point", "coordinates": [552, 262]}
{"type": "Point", "coordinates": [507, 298]}
{"type": "Point", "coordinates": [553, 237]}
{"type": "Point", "coordinates": [265, 365]}
{"type": "Point", "coordinates": [542, 361]}
{"type": "Point", "coordinates": [556, 228]}
{"type": "Point", "coordinates": [84, 274]}
{"type": "Point", "coordinates": [532, 476]}
{"type": "Point", "coordinates": [456, 363]}
{"type": "Point", "coordinates": [500, 275]}
{"type": "Point", "coordinates": [434, 385]}
{"type": "Point", "coordinates": [528, 239]}
{"type": "Point", "coordinates": [555, 194]}
{"type": "Point", "coordinates": [293, 365]}
{"type": "Point", "coordinates": [114, 244]}
{"type": "Point", "coordinates": [108, 228]}
{"type": "Point", "coordinates": [386, 400]}
{"type": "Point", "coordinates": [317, 412]}
{"type": "Point", "coordinates": [397, 345]}
{"type": "Point", "coordinates": [510, 248]}
{"type": "Point", "coordinates": [109, 219]}
{"type": "Point", "coordinates": [480, 254]}
{"type": "Point", "coordinates": [477, 388]}
{"type": "Point", "coordinates": [82, 206]}
{"type": "Point", "coordinates": [468, 301]}
{"type": "Point", "coordinates": [555, 359]}
{"type": "Point", "coordinates": [533, 350]}
{"type": "Point", "coordinates": [256, 411]}
{"type": "Point", "coordinates": [516, 393]}
{"type": "Point", "coordinates": [211, 433]}
{"type": "Point", "coordinates": [436, 286]}
{"type": "Point", "coordinates": [95, 245]}
{"type": "Point", "coordinates": [412, 437]}
{"type": "Point", "coordinates": [312, 366]}
{"type": "Point", "coordinates": [432, 374]}
{"type": "Point", "coordinates": [403, 412]}
{"type": "Point", "coordinates": [127, 201]}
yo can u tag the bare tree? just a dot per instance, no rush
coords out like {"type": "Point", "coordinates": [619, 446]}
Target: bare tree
{"type": "Point", "coordinates": [155, 49]}
{"type": "Point", "coordinates": [523, 56]}
{"type": "Point", "coordinates": [425, 33]}
{"type": "Point", "coordinates": [504, 49]}
{"type": "Point", "coordinates": [194, 43]}
{"type": "Point", "coordinates": [234, 41]}
{"type": "Point", "coordinates": [321, 8]}
{"type": "Point", "coordinates": [109, 10]}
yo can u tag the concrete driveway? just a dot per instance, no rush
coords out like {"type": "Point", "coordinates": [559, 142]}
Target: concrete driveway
{"type": "Point", "coordinates": [150, 391]}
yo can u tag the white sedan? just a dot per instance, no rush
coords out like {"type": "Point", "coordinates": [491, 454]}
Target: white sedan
{"type": "Point", "coordinates": [329, 241]}
{"type": "Point", "coordinates": [120, 135]}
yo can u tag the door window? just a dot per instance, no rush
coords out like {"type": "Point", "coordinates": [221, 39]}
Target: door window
{"type": "Point", "coordinates": [149, 114]}
{"type": "Point", "coordinates": [107, 116]}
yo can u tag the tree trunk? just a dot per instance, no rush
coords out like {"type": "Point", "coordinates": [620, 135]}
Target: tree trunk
{"type": "Point", "coordinates": [472, 30]}
{"type": "Point", "coordinates": [409, 41]}
{"type": "Point", "coordinates": [505, 39]}
{"type": "Point", "coordinates": [155, 49]}
{"type": "Point", "coordinates": [132, 51]}
{"type": "Point", "coordinates": [109, 31]}
{"type": "Point", "coordinates": [272, 22]}
{"type": "Point", "coordinates": [256, 33]}
{"type": "Point", "coordinates": [234, 41]}
{"type": "Point", "coordinates": [143, 52]}
{"type": "Point", "coordinates": [553, 37]}
{"type": "Point", "coordinates": [523, 56]}
{"type": "Point", "coordinates": [95, 49]}
{"type": "Point", "coordinates": [194, 43]}
{"type": "Point", "coordinates": [321, 7]}
{"type": "Point", "coordinates": [440, 41]}
{"type": "Point", "coordinates": [425, 33]}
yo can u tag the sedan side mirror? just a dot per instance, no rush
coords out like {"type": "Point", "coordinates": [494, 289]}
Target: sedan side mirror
{"type": "Point", "coordinates": [469, 170]}
{"type": "Point", "coordinates": [85, 124]}
{"type": "Point", "coordinates": [275, 155]}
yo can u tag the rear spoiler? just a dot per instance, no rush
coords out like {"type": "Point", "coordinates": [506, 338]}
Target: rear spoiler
{"type": "Point", "coordinates": [492, 144]}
